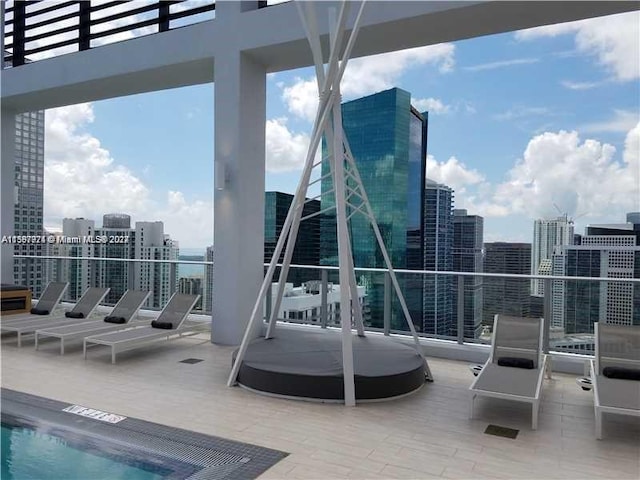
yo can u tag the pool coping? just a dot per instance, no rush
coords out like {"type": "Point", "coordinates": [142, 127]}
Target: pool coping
{"type": "Point", "coordinates": [189, 455]}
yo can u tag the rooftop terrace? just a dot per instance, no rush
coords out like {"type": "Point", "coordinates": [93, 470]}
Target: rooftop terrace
{"type": "Point", "coordinates": [424, 435]}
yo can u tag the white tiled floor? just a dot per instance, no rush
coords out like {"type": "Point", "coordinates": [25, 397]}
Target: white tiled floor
{"type": "Point", "coordinates": [425, 435]}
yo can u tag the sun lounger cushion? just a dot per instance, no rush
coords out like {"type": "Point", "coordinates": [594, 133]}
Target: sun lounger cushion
{"type": "Point", "coordinates": [516, 362]}
{"type": "Point", "coordinates": [112, 319]}
{"type": "Point", "coordinates": [74, 314]}
{"type": "Point", "coordinates": [39, 311]}
{"type": "Point", "coordinates": [621, 373]}
{"type": "Point", "coordinates": [163, 325]}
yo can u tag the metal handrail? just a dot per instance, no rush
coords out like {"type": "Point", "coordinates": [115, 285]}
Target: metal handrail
{"type": "Point", "coordinates": [358, 269]}
{"type": "Point", "coordinates": [21, 11]}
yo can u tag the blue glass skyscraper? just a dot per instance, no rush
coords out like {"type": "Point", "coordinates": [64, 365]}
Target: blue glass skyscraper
{"type": "Point", "coordinates": [388, 139]}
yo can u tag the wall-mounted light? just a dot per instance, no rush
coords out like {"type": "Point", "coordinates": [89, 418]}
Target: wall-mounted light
{"type": "Point", "coordinates": [220, 175]}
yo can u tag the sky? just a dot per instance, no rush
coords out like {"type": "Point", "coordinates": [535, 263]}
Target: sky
{"type": "Point", "coordinates": [522, 125]}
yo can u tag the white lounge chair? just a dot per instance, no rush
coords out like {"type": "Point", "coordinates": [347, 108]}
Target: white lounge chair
{"type": "Point", "coordinates": [45, 306]}
{"type": "Point", "coordinates": [516, 364]}
{"type": "Point", "coordinates": [121, 316]}
{"type": "Point", "coordinates": [170, 323]}
{"type": "Point", "coordinates": [78, 314]}
{"type": "Point", "coordinates": [615, 371]}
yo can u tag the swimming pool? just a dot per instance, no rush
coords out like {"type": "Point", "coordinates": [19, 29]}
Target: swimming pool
{"type": "Point", "coordinates": [47, 439]}
{"type": "Point", "coordinates": [32, 454]}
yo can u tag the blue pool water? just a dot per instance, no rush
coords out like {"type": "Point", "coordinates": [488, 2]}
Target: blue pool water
{"type": "Point", "coordinates": [31, 454]}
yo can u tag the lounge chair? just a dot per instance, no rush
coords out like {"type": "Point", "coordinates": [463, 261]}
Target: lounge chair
{"type": "Point", "coordinates": [615, 371]}
{"type": "Point", "coordinates": [120, 317]}
{"type": "Point", "coordinates": [169, 323]}
{"type": "Point", "coordinates": [78, 314]}
{"type": "Point", "coordinates": [516, 364]}
{"type": "Point", "coordinates": [48, 301]}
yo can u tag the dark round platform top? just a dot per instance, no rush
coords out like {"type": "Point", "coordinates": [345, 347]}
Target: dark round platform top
{"type": "Point", "coordinates": [307, 364]}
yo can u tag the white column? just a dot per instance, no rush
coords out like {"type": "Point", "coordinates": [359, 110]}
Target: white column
{"type": "Point", "coordinates": [240, 115]}
{"type": "Point", "coordinates": [7, 190]}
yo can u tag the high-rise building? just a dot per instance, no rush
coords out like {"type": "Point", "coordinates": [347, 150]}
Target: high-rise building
{"type": "Point", "coordinates": [191, 286]}
{"type": "Point", "coordinates": [438, 306]}
{"type": "Point", "coordinates": [468, 235]}
{"type": "Point", "coordinates": [506, 296]}
{"type": "Point", "coordinates": [77, 272]}
{"type": "Point", "coordinates": [151, 243]}
{"type": "Point", "coordinates": [307, 248]}
{"type": "Point", "coordinates": [29, 194]}
{"type": "Point", "coordinates": [606, 251]}
{"type": "Point", "coordinates": [547, 234]}
{"type": "Point", "coordinates": [147, 241]}
{"type": "Point", "coordinates": [207, 287]}
{"type": "Point", "coordinates": [115, 275]}
{"type": "Point", "coordinates": [388, 139]}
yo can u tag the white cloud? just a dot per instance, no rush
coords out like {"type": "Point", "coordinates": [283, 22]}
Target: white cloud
{"type": "Point", "coordinates": [453, 173]}
{"type": "Point", "coordinates": [301, 98]}
{"type": "Point", "coordinates": [621, 122]}
{"type": "Point", "coordinates": [368, 75]}
{"type": "Point", "coordinates": [522, 112]}
{"type": "Point", "coordinates": [286, 151]}
{"type": "Point", "coordinates": [581, 177]}
{"type": "Point", "coordinates": [577, 176]}
{"type": "Point", "coordinates": [613, 40]}
{"type": "Point", "coordinates": [380, 72]}
{"type": "Point", "coordinates": [82, 179]}
{"type": "Point", "coordinates": [432, 105]}
{"type": "Point", "coordinates": [191, 223]}
{"type": "Point", "coordinates": [580, 85]}
{"type": "Point", "coordinates": [501, 64]}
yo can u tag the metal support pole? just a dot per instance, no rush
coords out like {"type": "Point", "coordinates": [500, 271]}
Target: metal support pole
{"type": "Point", "coordinates": [163, 16]}
{"type": "Point", "coordinates": [84, 28]}
{"type": "Point", "coordinates": [387, 303]}
{"type": "Point", "coordinates": [547, 314]}
{"type": "Point", "coordinates": [19, 11]}
{"type": "Point", "coordinates": [460, 309]}
{"type": "Point", "coordinates": [324, 286]}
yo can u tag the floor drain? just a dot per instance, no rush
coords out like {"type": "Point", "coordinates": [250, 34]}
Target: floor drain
{"type": "Point", "coordinates": [499, 431]}
{"type": "Point", "coordinates": [191, 361]}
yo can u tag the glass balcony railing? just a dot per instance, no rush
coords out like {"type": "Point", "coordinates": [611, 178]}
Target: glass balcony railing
{"type": "Point", "coordinates": [453, 306]}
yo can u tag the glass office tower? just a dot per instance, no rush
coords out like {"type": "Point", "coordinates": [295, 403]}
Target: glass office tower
{"type": "Point", "coordinates": [388, 139]}
{"type": "Point", "coordinates": [438, 305]}
{"type": "Point", "coordinates": [307, 248]}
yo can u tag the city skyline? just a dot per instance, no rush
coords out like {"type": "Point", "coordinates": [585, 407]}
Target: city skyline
{"type": "Point", "coordinates": [581, 117]}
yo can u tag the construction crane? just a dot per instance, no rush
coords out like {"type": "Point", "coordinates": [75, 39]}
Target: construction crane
{"type": "Point", "coordinates": [566, 215]}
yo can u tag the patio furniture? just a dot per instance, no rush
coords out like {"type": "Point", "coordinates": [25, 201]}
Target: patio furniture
{"type": "Point", "coordinates": [122, 315]}
{"type": "Point", "coordinates": [169, 324]}
{"type": "Point", "coordinates": [516, 364]}
{"type": "Point", "coordinates": [615, 371]}
{"type": "Point", "coordinates": [46, 304]}
{"type": "Point", "coordinates": [14, 299]}
{"type": "Point", "coordinates": [79, 314]}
